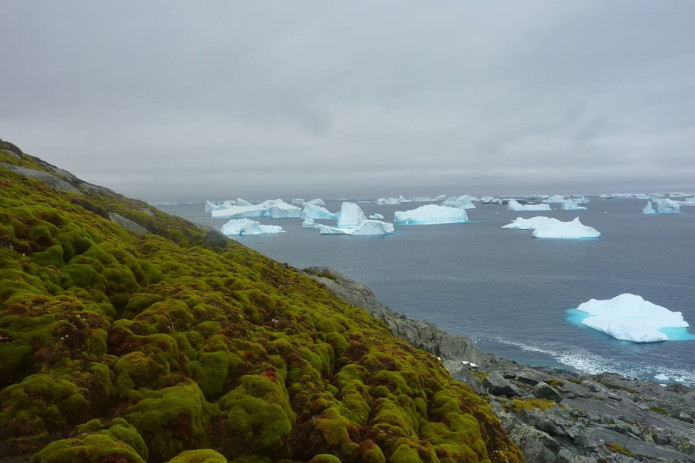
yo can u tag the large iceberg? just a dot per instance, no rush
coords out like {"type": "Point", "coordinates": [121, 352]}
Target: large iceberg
{"type": "Point", "coordinates": [367, 227]}
{"type": "Point", "coordinates": [431, 214]}
{"type": "Point", "coordinates": [547, 227]}
{"type": "Point", "coordinates": [514, 205]}
{"type": "Point", "coordinates": [351, 215]}
{"type": "Point", "coordinates": [630, 318]}
{"type": "Point", "coordinates": [236, 227]}
{"type": "Point", "coordinates": [273, 208]}
{"type": "Point", "coordinates": [313, 211]}
{"type": "Point", "coordinates": [462, 202]}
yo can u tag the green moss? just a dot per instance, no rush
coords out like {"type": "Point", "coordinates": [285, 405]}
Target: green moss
{"type": "Point", "coordinates": [617, 448]}
{"type": "Point", "coordinates": [199, 456]}
{"type": "Point", "coordinates": [517, 405]}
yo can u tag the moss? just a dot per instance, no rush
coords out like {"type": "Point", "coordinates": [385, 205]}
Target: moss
{"type": "Point", "coordinates": [659, 410]}
{"type": "Point", "coordinates": [199, 456]}
{"type": "Point", "coordinates": [517, 405]}
{"type": "Point", "coordinates": [325, 458]}
{"type": "Point", "coordinates": [617, 448]}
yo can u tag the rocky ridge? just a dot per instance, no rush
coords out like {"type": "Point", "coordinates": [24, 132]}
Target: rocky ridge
{"type": "Point", "coordinates": [552, 415]}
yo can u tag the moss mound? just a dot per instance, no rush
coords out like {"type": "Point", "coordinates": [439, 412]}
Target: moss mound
{"type": "Point", "coordinates": [126, 347]}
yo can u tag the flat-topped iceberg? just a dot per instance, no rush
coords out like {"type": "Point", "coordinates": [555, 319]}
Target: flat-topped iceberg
{"type": "Point", "coordinates": [462, 202]}
{"type": "Point", "coordinates": [572, 205]}
{"type": "Point", "coordinates": [514, 205]}
{"type": "Point", "coordinates": [548, 227]}
{"type": "Point", "coordinates": [237, 227]}
{"type": "Point", "coordinates": [667, 206]}
{"type": "Point", "coordinates": [273, 208]}
{"type": "Point", "coordinates": [431, 214]}
{"type": "Point", "coordinates": [367, 227]}
{"type": "Point", "coordinates": [629, 317]}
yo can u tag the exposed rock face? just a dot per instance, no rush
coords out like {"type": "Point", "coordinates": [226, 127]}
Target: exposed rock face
{"type": "Point", "coordinates": [50, 179]}
{"type": "Point", "coordinates": [418, 333]}
{"type": "Point", "coordinates": [127, 223]}
{"type": "Point", "coordinates": [552, 415]}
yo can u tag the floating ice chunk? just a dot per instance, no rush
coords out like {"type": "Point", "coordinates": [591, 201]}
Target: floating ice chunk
{"type": "Point", "coordinates": [572, 205]}
{"type": "Point", "coordinates": [630, 318]}
{"type": "Point", "coordinates": [309, 223]}
{"type": "Point", "coordinates": [490, 200]}
{"type": "Point", "coordinates": [274, 208]}
{"type": "Point", "coordinates": [431, 214]}
{"type": "Point", "coordinates": [514, 205]}
{"type": "Point", "coordinates": [376, 216]}
{"type": "Point", "coordinates": [318, 212]}
{"type": "Point", "coordinates": [661, 377]}
{"type": "Point", "coordinates": [351, 215]}
{"type": "Point", "coordinates": [462, 202]}
{"type": "Point", "coordinates": [555, 199]}
{"type": "Point", "coordinates": [648, 209]}
{"type": "Point", "coordinates": [532, 223]}
{"type": "Point", "coordinates": [367, 227]}
{"type": "Point", "coordinates": [667, 206]}
{"type": "Point", "coordinates": [547, 227]}
{"type": "Point", "coordinates": [315, 202]}
{"type": "Point", "coordinates": [565, 230]}
{"type": "Point", "coordinates": [236, 227]}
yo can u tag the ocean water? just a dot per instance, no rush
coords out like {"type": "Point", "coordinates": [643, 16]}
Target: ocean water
{"type": "Point", "coordinates": [510, 292]}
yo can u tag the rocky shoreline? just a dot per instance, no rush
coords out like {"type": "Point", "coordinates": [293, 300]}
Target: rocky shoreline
{"type": "Point", "coordinates": [552, 415]}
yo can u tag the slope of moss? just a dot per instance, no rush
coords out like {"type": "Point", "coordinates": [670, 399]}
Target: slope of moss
{"type": "Point", "coordinates": [119, 346]}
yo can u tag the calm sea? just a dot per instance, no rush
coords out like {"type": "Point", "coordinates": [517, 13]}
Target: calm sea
{"type": "Point", "coordinates": [509, 291]}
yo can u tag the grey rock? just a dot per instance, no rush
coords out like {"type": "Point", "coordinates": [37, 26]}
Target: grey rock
{"type": "Point", "coordinates": [10, 153]}
{"type": "Point", "coordinates": [48, 178]}
{"type": "Point", "coordinates": [127, 223]}
{"type": "Point", "coordinates": [498, 385]}
{"type": "Point", "coordinates": [543, 390]}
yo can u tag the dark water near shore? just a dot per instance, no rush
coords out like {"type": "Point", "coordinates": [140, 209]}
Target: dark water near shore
{"type": "Point", "coordinates": [509, 291]}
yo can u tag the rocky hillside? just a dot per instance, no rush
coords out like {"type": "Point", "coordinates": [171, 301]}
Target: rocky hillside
{"type": "Point", "coordinates": [127, 335]}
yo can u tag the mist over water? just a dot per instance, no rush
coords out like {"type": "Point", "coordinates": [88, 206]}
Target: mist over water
{"type": "Point", "coordinates": [508, 291]}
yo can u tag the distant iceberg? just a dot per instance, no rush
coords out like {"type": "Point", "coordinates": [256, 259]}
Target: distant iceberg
{"type": "Point", "coordinates": [629, 317]}
{"type": "Point", "coordinates": [648, 209]}
{"type": "Point", "coordinates": [367, 227]}
{"type": "Point", "coordinates": [376, 216]}
{"type": "Point", "coordinates": [667, 206]}
{"type": "Point", "coordinates": [555, 199]}
{"type": "Point", "coordinates": [237, 227]}
{"type": "Point", "coordinates": [431, 214]}
{"type": "Point", "coordinates": [491, 200]}
{"type": "Point", "coordinates": [313, 211]}
{"type": "Point", "coordinates": [572, 205]}
{"type": "Point", "coordinates": [392, 201]}
{"type": "Point", "coordinates": [547, 227]}
{"type": "Point", "coordinates": [309, 223]}
{"type": "Point", "coordinates": [315, 202]}
{"type": "Point", "coordinates": [462, 202]}
{"type": "Point", "coordinates": [514, 205]}
{"type": "Point", "coordinates": [274, 208]}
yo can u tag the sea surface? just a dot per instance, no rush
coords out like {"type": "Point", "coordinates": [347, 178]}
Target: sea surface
{"type": "Point", "coordinates": [508, 291]}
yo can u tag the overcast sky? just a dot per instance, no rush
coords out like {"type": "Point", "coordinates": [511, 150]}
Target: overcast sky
{"type": "Point", "coordinates": [172, 100]}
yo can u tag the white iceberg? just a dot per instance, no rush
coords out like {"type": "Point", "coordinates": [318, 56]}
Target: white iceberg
{"type": "Point", "coordinates": [555, 199]}
{"type": "Point", "coordinates": [462, 202]}
{"type": "Point", "coordinates": [351, 215]}
{"type": "Point", "coordinates": [565, 230]}
{"type": "Point", "coordinates": [648, 209]}
{"type": "Point", "coordinates": [309, 223]}
{"type": "Point", "coordinates": [514, 205]}
{"type": "Point", "coordinates": [376, 216]}
{"type": "Point", "coordinates": [313, 211]}
{"type": "Point", "coordinates": [532, 223]}
{"type": "Point", "coordinates": [547, 227]}
{"type": "Point", "coordinates": [431, 214]}
{"type": "Point", "coordinates": [390, 201]}
{"type": "Point", "coordinates": [491, 200]}
{"type": "Point", "coordinates": [241, 202]}
{"type": "Point", "coordinates": [630, 318]}
{"type": "Point", "coordinates": [237, 227]}
{"type": "Point", "coordinates": [315, 202]}
{"type": "Point", "coordinates": [667, 206]}
{"type": "Point", "coordinates": [273, 208]}
{"type": "Point", "coordinates": [572, 205]}
{"type": "Point", "coordinates": [368, 227]}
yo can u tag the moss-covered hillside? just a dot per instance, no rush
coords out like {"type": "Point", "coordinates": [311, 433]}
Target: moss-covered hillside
{"type": "Point", "coordinates": [117, 346]}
